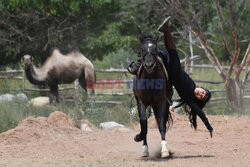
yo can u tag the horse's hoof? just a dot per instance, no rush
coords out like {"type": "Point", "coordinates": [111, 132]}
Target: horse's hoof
{"type": "Point", "coordinates": [138, 138]}
{"type": "Point", "coordinates": [145, 152]}
{"type": "Point", "coordinates": [165, 154]}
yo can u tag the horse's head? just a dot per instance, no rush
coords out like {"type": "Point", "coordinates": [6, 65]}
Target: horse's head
{"type": "Point", "coordinates": [149, 51]}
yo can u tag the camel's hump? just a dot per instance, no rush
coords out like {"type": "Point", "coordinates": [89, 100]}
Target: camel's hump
{"type": "Point", "coordinates": [74, 53]}
{"type": "Point", "coordinates": [56, 52]}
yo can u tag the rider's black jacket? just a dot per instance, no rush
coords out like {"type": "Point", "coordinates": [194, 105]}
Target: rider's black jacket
{"type": "Point", "coordinates": [182, 82]}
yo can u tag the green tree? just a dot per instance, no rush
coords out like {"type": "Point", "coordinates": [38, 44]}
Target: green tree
{"type": "Point", "coordinates": [34, 27]}
{"type": "Point", "coordinates": [217, 26]}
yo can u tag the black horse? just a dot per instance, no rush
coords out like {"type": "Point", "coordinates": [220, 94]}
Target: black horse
{"type": "Point", "coordinates": [150, 89]}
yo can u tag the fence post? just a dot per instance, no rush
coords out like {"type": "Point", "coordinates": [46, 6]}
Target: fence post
{"type": "Point", "coordinates": [24, 80]}
{"type": "Point", "coordinates": [76, 97]}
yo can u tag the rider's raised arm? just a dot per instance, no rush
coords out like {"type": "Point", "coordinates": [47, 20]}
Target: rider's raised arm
{"type": "Point", "coordinates": [201, 114]}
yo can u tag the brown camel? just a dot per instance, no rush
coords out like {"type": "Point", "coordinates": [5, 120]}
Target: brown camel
{"type": "Point", "coordinates": [60, 69]}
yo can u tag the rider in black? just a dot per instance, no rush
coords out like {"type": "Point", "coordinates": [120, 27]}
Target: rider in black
{"type": "Point", "coordinates": [194, 97]}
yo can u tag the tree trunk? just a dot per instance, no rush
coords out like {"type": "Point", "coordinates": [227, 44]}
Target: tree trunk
{"type": "Point", "coordinates": [239, 94]}
{"type": "Point", "coordinates": [191, 50]}
{"type": "Point", "coordinates": [235, 94]}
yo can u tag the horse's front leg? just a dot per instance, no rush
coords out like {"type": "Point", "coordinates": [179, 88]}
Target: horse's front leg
{"type": "Point", "coordinates": [162, 117]}
{"type": "Point", "coordinates": [144, 128]}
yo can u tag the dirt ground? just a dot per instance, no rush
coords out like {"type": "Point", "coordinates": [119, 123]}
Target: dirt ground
{"type": "Point", "coordinates": [55, 142]}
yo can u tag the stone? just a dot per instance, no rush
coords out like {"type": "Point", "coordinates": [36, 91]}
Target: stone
{"type": "Point", "coordinates": [21, 97]}
{"type": "Point", "coordinates": [109, 125]}
{"type": "Point", "coordinates": [85, 128]}
{"type": "Point", "coordinates": [39, 101]}
{"type": "Point", "coordinates": [7, 97]}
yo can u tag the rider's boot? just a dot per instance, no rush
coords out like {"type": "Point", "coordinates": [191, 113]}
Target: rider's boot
{"type": "Point", "coordinates": [164, 24]}
{"type": "Point", "coordinates": [168, 39]}
{"type": "Point", "coordinates": [134, 67]}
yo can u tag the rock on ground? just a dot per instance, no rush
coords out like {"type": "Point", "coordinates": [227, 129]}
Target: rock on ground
{"type": "Point", "coordinates": [21, 97]}
{"type": "Point", "coordinates": [109, 125]}
{"type": "Point", "coordinates": [39, 101]}
{"type": "Point", "coordinates": [7, 97]}
{"type": "Point", "coordinates": [85, 125]}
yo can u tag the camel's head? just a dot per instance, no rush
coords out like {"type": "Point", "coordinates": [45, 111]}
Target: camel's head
{"type": "Point", "coordinates": [27, 59]}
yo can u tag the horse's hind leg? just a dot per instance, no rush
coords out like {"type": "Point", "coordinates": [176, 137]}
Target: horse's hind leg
{"type": "Point", "coordinates": [144, 128]}
{"type": "Point", "coordinates": [162, 118]}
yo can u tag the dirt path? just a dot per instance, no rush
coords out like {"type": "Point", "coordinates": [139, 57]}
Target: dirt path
{"type": "Point", "coordinates": [40, 143]}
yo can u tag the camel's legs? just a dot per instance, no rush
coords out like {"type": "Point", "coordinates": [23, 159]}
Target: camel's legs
{"type": "Point", "coordinates": [82, 81]}
{"type": "Point", "coordinates": [84, 84]}
{"type": "Point", "coordinates": [53, 93]}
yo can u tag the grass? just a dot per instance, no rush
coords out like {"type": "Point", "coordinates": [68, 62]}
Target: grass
{"type": "Point", "coordinates": [11, 113]}
{"type": "Point", "coordinates": [104, 113]}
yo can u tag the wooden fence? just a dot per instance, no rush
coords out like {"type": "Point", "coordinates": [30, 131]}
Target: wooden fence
{"type": "Point", "coordinates": [11, 74]}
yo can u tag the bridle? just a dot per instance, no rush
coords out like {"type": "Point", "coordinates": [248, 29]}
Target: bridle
{"type": "Point", "coordinates": [150, 42]}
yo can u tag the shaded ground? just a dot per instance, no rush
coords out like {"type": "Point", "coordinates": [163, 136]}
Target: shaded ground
{"type": "Point", "coordinates": [54, 142]}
